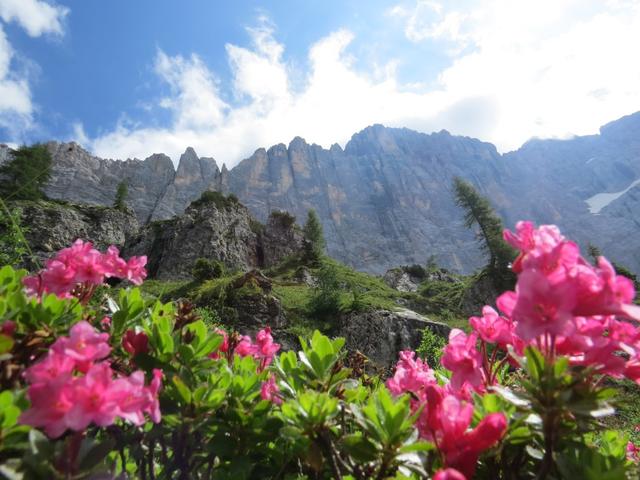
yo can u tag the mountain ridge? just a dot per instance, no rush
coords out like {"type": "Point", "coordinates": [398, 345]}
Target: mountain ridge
{"type": "Point", "coordinates": [385, 199]}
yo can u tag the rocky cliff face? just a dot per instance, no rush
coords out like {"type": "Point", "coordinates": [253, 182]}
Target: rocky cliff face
{"type": "Point", "coordinates": [155, 189]}
{"type": "Point", "coordinates": [53, 226]}
{"type": "Point", "coordinates": [386, 199]}
{"type": "Point", "coordinates": [223, 231]}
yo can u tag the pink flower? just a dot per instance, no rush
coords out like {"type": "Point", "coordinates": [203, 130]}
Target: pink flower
{"type": "Point", "coordinates": [52, 368]}
{"type": "Point", "coordinates": [136, 272]}
{"type": "Point", "coordinates": [112, 264]}
{"type": "Point", "coordinates": [135, 343]}
{"type": "Point", "coordinates": [541, 307]}
{"type": "Point", "coordinates": [84, 345]}
{"type": "Point", "coordinates": [224, 346]}
{"type": "Point", "coordinates": [8, 328]}
{"type": "Point", "coordinates": [449, 474]}
{"type": "Point", "coordinates": [246, 347]}
{"type": "Point", "coordinates": [633, 452]}
{"type": "Point", "coordinates": [265, 347]}
{"type": "Point", "coordinates": [448, 421]}
{"type": "Point", "coordinates": [601, 292]}
{"type": "Point", "coordinates": [50, 403]}
{"type": "Point", "coordinates": [464, 360]}
{"type": "Point", "coordinates": [492, 327]}
{"type": "Point", "coordinates": [62, 398]}
{"type": "Point", "coordinates": [80, 268]}
{"type": "Point", "coordinates": [94, 399]}
{"type": "Point", "coordinates": [411, 375]}
{"type": "Point", "coordinates": [270, 391]}
{"type": "Point", "coordinates": [153, 404]}
{"type": "Point", "coordinates": [58, 278]}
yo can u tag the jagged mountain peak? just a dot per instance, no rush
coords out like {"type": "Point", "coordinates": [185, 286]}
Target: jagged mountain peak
{"type": "Point", "coordinates": [386, 198]}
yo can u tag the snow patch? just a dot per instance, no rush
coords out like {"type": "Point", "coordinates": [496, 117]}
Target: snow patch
{"type": "Point", "coordinates": [601, 200]}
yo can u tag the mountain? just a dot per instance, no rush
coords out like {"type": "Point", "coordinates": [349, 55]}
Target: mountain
{"type": "Point", "coordinates": [385, 199]}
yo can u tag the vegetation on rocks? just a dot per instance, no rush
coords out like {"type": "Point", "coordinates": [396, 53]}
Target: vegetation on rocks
{"type": "Point", "coordinates": [217, 198]}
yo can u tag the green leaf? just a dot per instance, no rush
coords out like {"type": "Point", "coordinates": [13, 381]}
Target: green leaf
{"type": "Point", "coordinates": [93, 453]}
{"type": "Point", "coordinates": [360, 448]}
{"type": "Point", "coordinates": [6, 343]}
{"type": "Point", "coordinates": [183, 390]}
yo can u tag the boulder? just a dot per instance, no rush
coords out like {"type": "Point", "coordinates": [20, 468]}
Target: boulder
{"type": "Point", "coordinates": [400, 280]}
{"type": "Point", "coordinates": [382, 334]}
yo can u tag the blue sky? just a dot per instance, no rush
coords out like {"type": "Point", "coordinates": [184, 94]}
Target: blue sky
{"type": "Point", "coordinates": [130, 78]}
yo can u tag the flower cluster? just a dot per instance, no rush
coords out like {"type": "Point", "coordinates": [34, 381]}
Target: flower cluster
{"type": "Point", "coordinates": [562, 305]}
{"type": "Point", "coordinates": [446, 414]}
{"type": "Point", "coordinates": [263, 349]}
{"type": "Point", "coordinates": [77, 270]}
{"type": "Point", "coordinates": [71, 387]}
{"type": "Point", "coordinates": [565, 306]}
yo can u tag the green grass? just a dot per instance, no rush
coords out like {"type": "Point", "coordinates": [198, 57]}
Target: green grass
{"type": "Point", "coordinates": [627, 403]}
{"type": "Point", "coordinates": [166, 290]}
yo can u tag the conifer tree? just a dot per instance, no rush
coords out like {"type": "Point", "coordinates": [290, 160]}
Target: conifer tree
{"type": "Point", "coordinates": [121, 196]}
{"type": "Point", "coordinates": [479, 212]}
{"type": "Point", "coordinates": [28, 171]}
{"type": "Point", "coordinates": [314, 243]}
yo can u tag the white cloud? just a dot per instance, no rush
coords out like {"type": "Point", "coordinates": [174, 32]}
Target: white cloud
{"type": "Point", "coordinates": [35, 16]}
{"type": "Point", "coordinates": [519, 69]}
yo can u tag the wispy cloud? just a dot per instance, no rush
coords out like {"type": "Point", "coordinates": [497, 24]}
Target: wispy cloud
{"type": "Point", "coordinates": [36, 18]}
{"type": "Point", "coordinates": [548, 68]}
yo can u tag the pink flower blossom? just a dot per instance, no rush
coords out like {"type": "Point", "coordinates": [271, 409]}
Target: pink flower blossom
{"type": "Point", "coordinates": [136, 272]}
{"type": "Point", "coordinates": [224, 346]}
{"type": "Point", "coordinates": [411, 375]}
{"type": "Point", "coordinates": [449, 474]}
{"type": "Point", "coordinates": [50, 403]}
{"type": "Point", "coordinates": [492, 327]}
{"type": "Point", "coordinates": [80, 268]}
{"type": "Point", "coordinates": [542, 307]}
{"type": "Point", "coordinates": [84, 345]}
{"type": "Point", "coordinates": [8, 328]}
{"type": "Point", "coordinates": [464, 360]}
{"type": "Point", "coordinates": [52, 367]}
{"type": "Point", "coordinates": [135, 343]}
{"type": "Point", "coordinates": [633, 452]}
{"type": "Point", "coordinates": [265, 347]}
{"type": "Point", "coordinates": [448, 422]}
{"type": "Point", "coordinates": [270, 390]}
{"type": "Point", "coordinates": [94, 399]}
{"type": "Point", "coordinates": [68, 390]}
{"type": "Point", "coordinates": [246, 347]}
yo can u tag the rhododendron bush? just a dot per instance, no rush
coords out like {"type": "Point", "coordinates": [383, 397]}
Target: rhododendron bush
{"type": "Point", "coordinates": [119, 386]}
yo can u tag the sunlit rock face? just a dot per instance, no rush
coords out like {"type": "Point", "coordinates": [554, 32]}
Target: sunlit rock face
{"type": "Point", "coordinates": [385, 199]}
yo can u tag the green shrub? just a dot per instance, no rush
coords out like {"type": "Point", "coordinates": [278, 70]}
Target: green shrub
{"type": "Point", "coordinates": [208, 316]}
{"type": "Point", "coordinates": [13, 246]}
{"type": "Point", "coordinates": [326, 295]}
{"type": "Point", "coordinates": [415, 270]}
{"type": "Point", "coordinates": [284, 218]}
{"type": "Point", "coordinates": [206, 269]}
{"type": "Point", "coordinates": [217, 198]}
{"type": "Point", "coordinates": [26, 174]}
{"type": "Point", "coordinates": [431, 346]}
{"type": "Point", "coordinates": [121, 196]}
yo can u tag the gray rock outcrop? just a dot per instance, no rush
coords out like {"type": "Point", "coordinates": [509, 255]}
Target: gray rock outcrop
{"type": "Point", "coordinates": [52, 226]}
{"type": "Point", "coordinates": [221, 230]}
{"type": "Point", "coordinates": [381, 334]}
{"type": "Point", "coordinates": [400, 280]}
